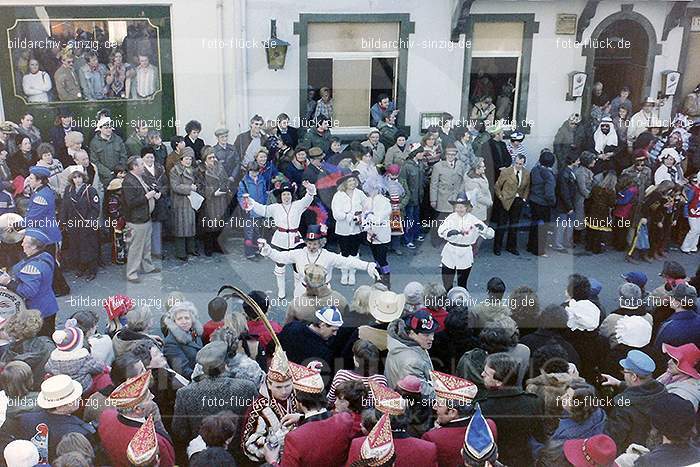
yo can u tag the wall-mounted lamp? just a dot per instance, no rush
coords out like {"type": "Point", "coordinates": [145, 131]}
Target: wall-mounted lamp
{"type": "Point", "coordinates": [275, 49]}
{"type": "Point", "coordinates": [577, 82]}
{"type": "Point", "coordinates": [669, 83]}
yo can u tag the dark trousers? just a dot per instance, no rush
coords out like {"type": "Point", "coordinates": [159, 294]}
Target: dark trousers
{"type": "Point", "coordinates": [620, 230]}
{"type": "Point", "coordinates": [251, 233]}
{"type": "Point", "coordinates": [537, 239]}
{"type": "Point", "coordinates": [412, 221]}
{"type": "Point", "coordinates": [184, 246]}
{"type": "Point", "coordinates": [448, 277]}
{"type": "Point", "coordinates": [211, 242]}
{"type": "Point", "coordinates": [594, 240]}
{"type": "Point", "coordinates": [349, 244]}
{"type": "Point", "coordinates": [379, 253]}
{"type": "Point", "coordinates": [507, 221]}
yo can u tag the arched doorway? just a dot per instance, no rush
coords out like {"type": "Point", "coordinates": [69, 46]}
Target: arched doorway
{"type": "Point", "coordinates": [625, 63]}
{"type": "Point", "coordinates": [615, 67]}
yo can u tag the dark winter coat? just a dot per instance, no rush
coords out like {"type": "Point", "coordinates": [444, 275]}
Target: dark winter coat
{"type": "Point", "coordinates": [125, 339]}
{"type": "Point", "coordinates": [59, 425]}
{"type": "Point", "coordinates": [413, 174]}
{"type": "Point", "coordinates": [303, 345]}
{"type": "Point", "coordinates": [159, 182]}
{"type": "Point", "coordinates": [496, 157]}
{"type": "Point", "coordinates": [180, 348]}
{"type": "Point", "coordinates": [80, 212]}
{"type": "Point", "coordinates": [208, 396]}
{"type": "Point", "coordinates": [571, 429]}
{"type": "Point", "coordinates": [600, 205]}
{"type": "Point", "coordinates": [630, 419]}
{"type": "Point", "coordinates": [106, 154]}
{"type": "Point", "coordinates": [183, 216]}
{"type": "Point", "coordinates": [543, 337]}
{"type": "Point", "coordinates": [682, 327]}
{"type": "Point", "coordinates": [35, 352]}
{"type": "Point", "coordinates": [518, 416]}
{"type": "Point", "coordinates": [543, 186]}
{"type": "Point", "coordinates": [134, 204]}
{"type": "Point", "coordinates": [591, 347]}
{"type": "Point", "coordinates": [566, 189]}
{"type": "Point", "coordinates": [670, 455]}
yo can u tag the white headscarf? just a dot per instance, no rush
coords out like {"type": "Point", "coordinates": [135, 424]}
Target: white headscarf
{"type": "Point", "coordinates": [601, 139]}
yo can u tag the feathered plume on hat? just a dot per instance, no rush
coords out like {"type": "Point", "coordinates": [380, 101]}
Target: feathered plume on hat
{"type": "Point", "coordinates": [279, 365]}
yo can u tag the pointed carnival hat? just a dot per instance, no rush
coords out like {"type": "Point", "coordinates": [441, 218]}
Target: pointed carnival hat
{"type": "Point", "coordinates": [143, 447]}
{"type": "Point", "coordinates": [479, 439]}
{"type": "Point", "coordinates": [378, 447]}
{"type": "Point", "coordinates": [279, 366]}
{"type": "Point", "coordinates": [453, 388]}
{"type": "Point", "coordinates": [131, 392]}
{"type": "Point", "coordinates": [387, 400]}
{"type": "Point", "coordinates": [305, 379]}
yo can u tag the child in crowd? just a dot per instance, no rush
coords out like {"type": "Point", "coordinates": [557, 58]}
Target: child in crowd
{"type": "Point", "coordinates": [396, 191]}
{"type": "Point", "coordinates": [217, 310]}
{"type": "Point", "coordinates": [72, 358]}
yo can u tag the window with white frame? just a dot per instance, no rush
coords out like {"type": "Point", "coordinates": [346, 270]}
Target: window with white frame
{"type": "Point", "coordinates": [357, 62]}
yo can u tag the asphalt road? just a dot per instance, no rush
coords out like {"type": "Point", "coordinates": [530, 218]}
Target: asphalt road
{"type": "Point", "coordinates": [200, 278]}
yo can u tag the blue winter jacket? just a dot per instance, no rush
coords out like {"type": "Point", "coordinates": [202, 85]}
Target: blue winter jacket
{"type": "Point", "coordinates": [257, 189]}
{"type": "Point", "coordinates": [32, 280]}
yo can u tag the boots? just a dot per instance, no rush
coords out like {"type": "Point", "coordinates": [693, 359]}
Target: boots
{"type": "Point", "coordinates": [281, 284]}
{"type": "Point", "coordinates": [344, 276]}
{"type": "Point", "coordinates": [351, 277]}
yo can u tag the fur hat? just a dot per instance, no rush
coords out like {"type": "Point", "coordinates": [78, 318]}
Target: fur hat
{"type": "Point", "coordinates": [414, 293]}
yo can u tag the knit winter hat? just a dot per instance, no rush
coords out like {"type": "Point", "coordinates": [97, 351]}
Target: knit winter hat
{"type": "Point", "coordinates": [393, 169]}
{"type": "Point", "coordinates": [630, 296]}
{"type": "Point", "coordinates": [69, 338]}
{"type": "Point", "coordinates": [414, 293]}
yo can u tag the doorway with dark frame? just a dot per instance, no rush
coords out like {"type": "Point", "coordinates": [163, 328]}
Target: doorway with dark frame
{"type": "Point", "coordinates": [625, 62]}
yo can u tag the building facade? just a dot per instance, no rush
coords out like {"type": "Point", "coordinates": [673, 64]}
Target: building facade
{"type": "Point", "coordinates": [429, 57]}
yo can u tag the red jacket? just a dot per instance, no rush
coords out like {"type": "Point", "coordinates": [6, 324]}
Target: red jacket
{"type": "Point", "coordinates": [323, 442]}
{"type": "Point", "coordinates": [410, 452]}
{"type": "Point", "coordinates": [257, 327]}
{"type": "Point", "coordinates": [116, 432]}
{"type": "Point", "coordinates": [449, 441]}
{"type": "Point", "coordinates": [209, 328]}
{"type": "Point", "coordinates": [439, 314]}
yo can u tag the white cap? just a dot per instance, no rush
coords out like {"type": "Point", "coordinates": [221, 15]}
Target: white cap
{"type": "Point", "coordinates": [583, 315]}
{"type": "Point", "coordinates": [634, 331]}
{"type": "Point", "coordinates": [21, 453]}
{"type": "Point", "coordinates": [102, 122]}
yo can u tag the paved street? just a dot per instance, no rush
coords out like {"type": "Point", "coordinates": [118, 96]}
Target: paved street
{"type": "Point", "coordinates": [200, 278]}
